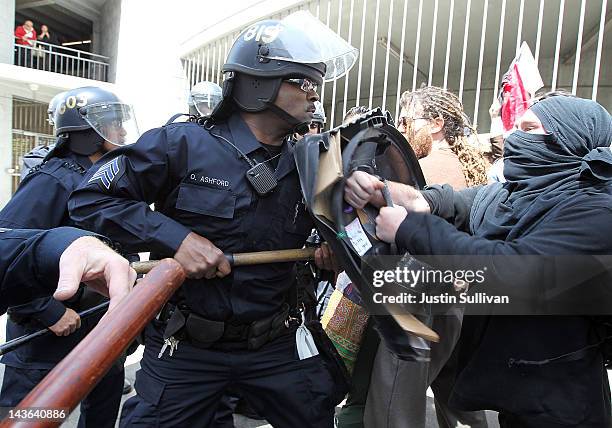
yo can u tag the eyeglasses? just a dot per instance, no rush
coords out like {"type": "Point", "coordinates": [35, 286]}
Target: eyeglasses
{"type": "Point", "coordinates": [305, 85]}
{"type": "Point", "coordinates": [314, 125]}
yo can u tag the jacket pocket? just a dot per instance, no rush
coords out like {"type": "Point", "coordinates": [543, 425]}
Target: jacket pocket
{"type": "Point", "coordinates": [206, 200]}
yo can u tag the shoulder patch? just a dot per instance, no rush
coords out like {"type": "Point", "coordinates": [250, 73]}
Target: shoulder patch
{"type": "Point", "coordinates": [106, 175]}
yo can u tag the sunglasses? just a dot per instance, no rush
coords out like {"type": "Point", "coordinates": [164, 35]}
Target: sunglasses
{"type": "Point", "coordinates": [305, 85]}
{"type": "Point", "coordinates": [314, 126]}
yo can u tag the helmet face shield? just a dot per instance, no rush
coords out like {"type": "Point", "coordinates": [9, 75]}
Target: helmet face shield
{"type": "Point", "coordinates": [303, 39]}
{"type": "Point", "coordinates": [205, 103]}
{"type": "Point", "coordinates": [113, 121]}
{"type": "Point", "coordinates": [204, 97]}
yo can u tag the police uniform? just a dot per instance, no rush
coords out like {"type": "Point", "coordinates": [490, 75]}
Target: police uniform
{"type": "Point", "coordinates": [29, 262]}
{"type": "Point", "coordinates": [40, 202]}
{"type": "Point", "coordinates": [197, 182]}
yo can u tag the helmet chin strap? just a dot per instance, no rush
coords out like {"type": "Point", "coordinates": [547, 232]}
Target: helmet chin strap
{"type": "Point", "coordinates": [297, 126]}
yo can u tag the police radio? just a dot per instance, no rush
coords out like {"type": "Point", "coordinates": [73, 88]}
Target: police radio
{"type": "Point", "coordinates": [262, 178]}
{"type": "Point", "coordinates": [260, 175]}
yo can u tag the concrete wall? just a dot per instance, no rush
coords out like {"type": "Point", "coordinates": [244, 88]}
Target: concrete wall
{"type": "Point", "coordinates": [106, 35]}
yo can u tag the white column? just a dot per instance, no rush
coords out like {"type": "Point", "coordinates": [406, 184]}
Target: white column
{"type": "Point", "coordinates": [7, 21]}
{"type": "Point", "coordinates": [6, 145]}
{"type": "Point", "coordinates": [7, 18]}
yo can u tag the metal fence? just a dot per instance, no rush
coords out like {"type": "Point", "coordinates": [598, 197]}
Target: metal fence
{"type": "Point", "coordinates": [30, 129]}
{"type": "Point", "coordinates": [63, 60]}
{"type": "Point", "coordinates": [24, 142]}
{"type": "Point", "coordinates": [463, 45]}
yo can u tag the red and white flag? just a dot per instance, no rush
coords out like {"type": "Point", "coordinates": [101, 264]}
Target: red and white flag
{"type": "Point", "coordinates": [519, 84]}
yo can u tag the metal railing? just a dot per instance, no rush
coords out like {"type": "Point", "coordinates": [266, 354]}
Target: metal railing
{"type": "Point", "coordinates": [463, 45]}
{"type": "Point", "coordinates": [63, 60]}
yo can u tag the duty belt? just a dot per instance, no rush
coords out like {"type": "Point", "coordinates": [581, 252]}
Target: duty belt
{"type": "Point", "coordinates": [209, 334]}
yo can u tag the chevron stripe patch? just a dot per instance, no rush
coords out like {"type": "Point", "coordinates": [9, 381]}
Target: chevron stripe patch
{"type": "Point", "coordinates": [105, 175]}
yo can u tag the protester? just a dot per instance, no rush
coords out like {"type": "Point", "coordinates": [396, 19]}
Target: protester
{"type": "Point", "coordinates": [535, 371]}
{"type": "Point", "coordinates": [434, 124]}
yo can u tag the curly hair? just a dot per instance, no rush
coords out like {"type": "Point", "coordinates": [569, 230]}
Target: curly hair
{"type": "Point", "coordinates": [353, 112]}
{"type": "Point", "coordinates": [437, 102]}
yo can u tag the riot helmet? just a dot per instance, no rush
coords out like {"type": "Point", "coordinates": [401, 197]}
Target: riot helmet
{"type": "Point", "coordinates": [203, 98]}
{"type": "Point", "coordinates": [92, 108]}
{"type": "Point", "coordinates": [319, 119]}
{"type": "Point", "coordinates": [270, 51]}
{"type": "Point", "coordinates": [51, 108]}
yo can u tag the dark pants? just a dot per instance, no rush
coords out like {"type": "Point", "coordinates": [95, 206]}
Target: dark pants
{"type": "Point", "coordinates": [185, 389]}
{"type": "Point", "coordinates": [99, 408]}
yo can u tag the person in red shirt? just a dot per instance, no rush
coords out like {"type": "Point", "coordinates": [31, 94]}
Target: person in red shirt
{"type": "Point", "coordinates": [25, 34]}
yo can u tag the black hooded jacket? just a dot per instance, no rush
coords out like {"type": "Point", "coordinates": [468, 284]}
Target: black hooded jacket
{"type": "Point", "coordinates": [557, 201]}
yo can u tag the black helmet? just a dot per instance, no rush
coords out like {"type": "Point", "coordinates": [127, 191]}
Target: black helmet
{"type": "Point", "coordinates": [92, 108]}
{"type": "Point", "coordinates": [51, 108]}
{"type": "Point", "coordinates": [319, 114]}
{"type": "Point", "coordinates": [267, 52]}
{"type": "Point", "coordinates": [203, 98]}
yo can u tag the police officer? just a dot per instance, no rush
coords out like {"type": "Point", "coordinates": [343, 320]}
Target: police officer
{"type": "Point", "coordinates": [35, 156]}
{"type": "Point", "coordinates": [203, 98]}
{"type": "Point", "coordinates": [319, 119]}
{"type": "Point", "coordinates": [89, 122]}
{"type": "Point", "coordinates": [230, 186]}
{"type": "Point", "coordinates": [23, 251]}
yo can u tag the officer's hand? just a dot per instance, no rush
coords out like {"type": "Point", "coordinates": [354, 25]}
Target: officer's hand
{"type": "Point", "coordinates": [325, 259]}
{"type": "Point", "coordinates": [68, 323]}
{"type": "Point", "coordinates": [90, 261]}
{"type": "Point", "coordinates": [362, 188]}
{"type": "Point", "coordinates": [388, 221]}
{"type": "Point", "coordinates": [201, 259]}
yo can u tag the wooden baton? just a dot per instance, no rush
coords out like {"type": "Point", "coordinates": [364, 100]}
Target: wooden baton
{"type": "Point", "coordinates": [245, 259]}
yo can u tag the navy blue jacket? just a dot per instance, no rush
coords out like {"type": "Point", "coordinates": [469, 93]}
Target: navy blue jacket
{"type": "Point", "coordinates": [568, 391]}
{"type": "Point", "coordinates": [29, 262]}
{"type": "Point", "coordinates": [41, 203]}
{"type": "Point", "coordinates": [197, 183]}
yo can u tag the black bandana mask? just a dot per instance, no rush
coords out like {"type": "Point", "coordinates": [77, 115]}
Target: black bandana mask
{"type": "Point", "coordinates": [543, 170]}
{"type": "Point", "coordinates": [527, 155]}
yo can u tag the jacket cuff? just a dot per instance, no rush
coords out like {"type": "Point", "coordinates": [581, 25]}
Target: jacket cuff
{"type": "Point", "coordinates": [171, 235]}
{"type": "Point", "coordinates": [409, 227]}
{"type": "Point", "coordinates": [49, 251]}
{"type": "Point", "coordinates": [51, 314]}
